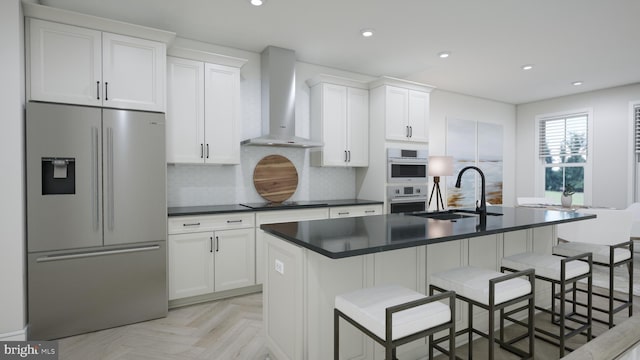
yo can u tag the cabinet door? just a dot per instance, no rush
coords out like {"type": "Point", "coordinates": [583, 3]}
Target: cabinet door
{"type": "Point", "coordinates": [234, 259]}
{"type": "Point", "coordinates": [190, 264]}
{"type": "Point", "coordinates": [397, 113]}
{"type": "Point", "coordinates": [222, 114]}
{"type": "Point", "coordinates": [358, 128]}
{"type": "Point", "coordinates": [334, 119]}
{"type": "Point", "coordinates": [418, 116]}
{"type": "Point", "coordinates": [65, 63]}
{"type": "Point", "coordinates": [185, 111]}
{"type": "Point", "coordinates": [133, 73]}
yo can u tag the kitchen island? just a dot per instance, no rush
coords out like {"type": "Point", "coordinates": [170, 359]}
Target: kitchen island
{"type": "Point", "coordinates": [309, 262]}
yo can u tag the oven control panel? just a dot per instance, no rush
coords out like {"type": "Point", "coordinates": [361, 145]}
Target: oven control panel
{"type": "Point", "coordinates": [406, 191]}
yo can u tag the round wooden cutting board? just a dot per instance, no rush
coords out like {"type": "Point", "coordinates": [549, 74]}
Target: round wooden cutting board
{"type": "Point", "coordinates": [275, 178]}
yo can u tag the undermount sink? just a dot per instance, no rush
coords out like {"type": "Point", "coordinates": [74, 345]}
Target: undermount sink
{"type": "Point", "coordinates": [451, 214]}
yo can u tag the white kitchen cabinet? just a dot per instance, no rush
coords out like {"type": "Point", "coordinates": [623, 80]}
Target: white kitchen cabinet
{"type": "Point", "coordinates": [339, 119]}
{"type": "Point", "coordinates": [190, 264]}
{"type": "Point", "coordinates": [353, 211]}
{"type": "Point", "coordinates": [210, 253]}
{"type": "Point", "coordinates": [406, 109]}
{"type": "Point", "coordinates": [76, 65]}
{"type": "Point", "coordinates": [203, 112]}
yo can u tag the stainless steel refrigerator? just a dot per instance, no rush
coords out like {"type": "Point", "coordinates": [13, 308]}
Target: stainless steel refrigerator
{"type": "Point", "coordinates": [96, 218]}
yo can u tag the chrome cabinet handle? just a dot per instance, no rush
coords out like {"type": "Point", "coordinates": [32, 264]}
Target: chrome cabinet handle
{"type": "Point", "coordinates": [96, 253]}
{"type": "Point", "coordinates": [217, 244]}
{"type": "Point", "coordinates": [211, 244]}
{"type": "Point", "coordinates": [349, 152]}
{"type": "Point", "coordinates": [201, 151]}
{"type": "Point", "coordinates": [192, 224]}
{"type": "Point", "coordinates": [106, 91]}
{"type": "Point", "coordinates": [410, 131]}
{"type": "Point", "coordinates": [343, 213]}
{"type": "Point", "coordinates": [98, 90]}
{"type": "Point", "coordinates": [407, 131]}
{"type": "Point", "coordinates": [207, 151]}
{"type": "Point", "coordinates": [109, 177]}
{"type": "Point", "coordinates": [95, 178]}
{"type": "Point", "coordinates": [345, 156]}
{"type": "Point", "coordinates": [234, 221]}
{"type": "Point", "coordinates": [369, 211]}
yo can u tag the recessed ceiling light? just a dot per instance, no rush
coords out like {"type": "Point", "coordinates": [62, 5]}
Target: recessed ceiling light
{"type": "Point", "coordinates": [527, 67]}
{"type": "Point", "coordinates": [366, 32]}
{"type": "Point", "coordinates": [444, 54]}
{"type": "Point", "coordinates": [576, 83]}
{"type": "Point", "coordinates": [257, 2]}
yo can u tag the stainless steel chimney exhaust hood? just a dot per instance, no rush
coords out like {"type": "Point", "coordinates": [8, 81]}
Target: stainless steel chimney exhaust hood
{"type": "Point", "coordinates": [279, 99]}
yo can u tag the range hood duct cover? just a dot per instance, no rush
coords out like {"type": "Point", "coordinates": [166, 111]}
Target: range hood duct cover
{"type": "Point", "coordinates": [279, 100]}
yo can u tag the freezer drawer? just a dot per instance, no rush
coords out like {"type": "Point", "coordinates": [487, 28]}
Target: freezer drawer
{"type": "Point", "coordinates": [82, 291]}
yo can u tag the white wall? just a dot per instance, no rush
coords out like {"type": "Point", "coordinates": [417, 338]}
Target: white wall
{"type": "Point", "coordinates": [12, 218]}
{"type": "Point", "coordinates": [612, 156]}
{"type": "Point", "coordinates": [446, 104]}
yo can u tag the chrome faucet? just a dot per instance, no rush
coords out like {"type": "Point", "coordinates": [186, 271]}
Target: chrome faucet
{"type": "Point", "coordinates": [482, 209]}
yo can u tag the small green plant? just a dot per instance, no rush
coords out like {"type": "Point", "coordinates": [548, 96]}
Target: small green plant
{"type": "Point", "coordinates": [568, 190]}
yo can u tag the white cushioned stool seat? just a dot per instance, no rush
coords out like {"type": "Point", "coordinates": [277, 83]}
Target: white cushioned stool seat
{"type": "Point", "coordinates": [545, 265]}
{"type": "Point", "coordinates": [367, 307]}
{"type": "Point", "coordinates": [473, 283]}
{"type": "Point", "coordinates": [600, 252]}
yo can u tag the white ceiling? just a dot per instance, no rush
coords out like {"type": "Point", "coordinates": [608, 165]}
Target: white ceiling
{"type": "Point", "coordinates": [595, 41]}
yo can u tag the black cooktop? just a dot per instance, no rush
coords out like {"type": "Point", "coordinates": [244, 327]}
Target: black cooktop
{"type": "Point", "coordinates": [284, 204]}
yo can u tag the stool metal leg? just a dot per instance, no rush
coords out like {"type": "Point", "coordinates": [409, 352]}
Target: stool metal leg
{"type": "Point", "coordinates": [470, 332]}
{"type": "Point", "coordinates": [336, 335]}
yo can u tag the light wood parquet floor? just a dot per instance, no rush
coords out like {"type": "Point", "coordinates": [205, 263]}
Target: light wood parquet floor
{"type": "Point", "coordinates": [224, 330]}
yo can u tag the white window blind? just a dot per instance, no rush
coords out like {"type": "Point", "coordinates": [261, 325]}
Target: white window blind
{"type": "Point", "coordinates": [636, 111]}
{"type": "Point", "coordinates": [564, 137]}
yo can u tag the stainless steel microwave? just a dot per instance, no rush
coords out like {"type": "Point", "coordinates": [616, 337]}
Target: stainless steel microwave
{"type": "Point", "coordinates": [407, 166]}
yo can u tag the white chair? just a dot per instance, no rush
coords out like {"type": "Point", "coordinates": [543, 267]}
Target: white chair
{"type": "Point", "coordinates": [533, 201]}
{"type": "Point", "coordinates": [635, 226]}
{"type": "Point", "coordinates": [491, 291]}
{"type": "Point", "coordinates": [393, 315]}
{"type": "Point", "coordinates": [563, 272]}
{"type": "Point", "coordinates": [608, 238]}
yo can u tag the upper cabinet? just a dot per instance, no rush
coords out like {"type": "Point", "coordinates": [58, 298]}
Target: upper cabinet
{"type": "Point", "coordinates": [339, 119]}
{"type": "Point", "coordinates": [76, 65]}
{"type": "Point", "coordinates": [203, 111]}
{"type": "Point", "coordinates": [406, 108]}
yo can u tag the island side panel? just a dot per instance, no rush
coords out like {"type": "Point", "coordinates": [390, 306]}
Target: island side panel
{"type": "Point", "coordinates": [283, 299]}
{"type": "Point", "coordinates": [326, 278]}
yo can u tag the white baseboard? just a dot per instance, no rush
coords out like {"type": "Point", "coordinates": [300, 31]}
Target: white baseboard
{"type": "Point", "coordinates": [20, 335]}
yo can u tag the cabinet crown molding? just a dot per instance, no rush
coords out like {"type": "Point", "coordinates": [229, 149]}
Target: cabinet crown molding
{"type": "Point", "coordinates": [336, 80]}
{"type": "Point", "coordinates": [97, 23]}
{"type": "Point", "coordinates": [411, 85]}
{"type": "Point", "coordinates": [205, 56]}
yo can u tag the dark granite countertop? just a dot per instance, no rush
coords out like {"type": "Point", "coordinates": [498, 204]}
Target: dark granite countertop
{"type": "Point", "coordinates": [222, 209]}
{"type": "Point", "coordinates": [345, 237]}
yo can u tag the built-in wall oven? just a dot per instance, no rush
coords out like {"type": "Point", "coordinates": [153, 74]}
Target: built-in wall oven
{"type": "Point", "coordinates": [406, 198]}
{"type": "Point", "coordinates": [407, 166]}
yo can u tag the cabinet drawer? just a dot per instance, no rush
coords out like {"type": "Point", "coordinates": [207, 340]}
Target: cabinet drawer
{"type": "Point", "coordinates": [278, 216]}
{"type": "Point", "coordinates": [352, 211]}
{"type": "Point", "coordinates": [187, 224]}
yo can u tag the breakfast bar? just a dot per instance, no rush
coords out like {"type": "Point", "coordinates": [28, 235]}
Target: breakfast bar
{"type": "Point", "coordinates": [309, 262]}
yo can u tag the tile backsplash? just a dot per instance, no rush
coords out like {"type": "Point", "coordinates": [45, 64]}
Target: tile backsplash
{"type": "Point", "coordinates": [194, 185]}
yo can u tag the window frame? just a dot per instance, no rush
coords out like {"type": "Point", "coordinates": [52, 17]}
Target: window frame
{"type": "Point", "coordinates": [633, 189]}
{"type": "Point", "coordinates": [540, 165]}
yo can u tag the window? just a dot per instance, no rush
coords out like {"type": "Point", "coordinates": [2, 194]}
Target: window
{"type": "Point", "coordinates": [563, 151]}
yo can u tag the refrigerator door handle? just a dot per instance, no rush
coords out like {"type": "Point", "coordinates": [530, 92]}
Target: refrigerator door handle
{"type": "Point", "coordinates": [109, 178]}
{"type": "Point", "coordinates": [96, 253]}
{"type": "Point", "coordinates": [95, 176]}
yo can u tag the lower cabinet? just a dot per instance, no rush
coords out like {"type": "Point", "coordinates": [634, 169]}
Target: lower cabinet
{"type": "Point", "coordinates": [204, 261]}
